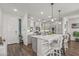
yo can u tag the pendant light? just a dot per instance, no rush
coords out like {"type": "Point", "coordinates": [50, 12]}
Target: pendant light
{"type": "Point", "coordinates": [52, 12]}
{"type": "Point", "coordinates": [59, 17]}
{"type": "Point", "coordinates": [59, 13]}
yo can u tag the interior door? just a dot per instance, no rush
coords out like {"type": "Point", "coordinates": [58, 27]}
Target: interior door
{"type": "Point", "coordinates": [12, 34]}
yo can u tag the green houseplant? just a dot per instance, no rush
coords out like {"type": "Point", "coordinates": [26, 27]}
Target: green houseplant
{"type": "Point", "coordinates": [76, 35]}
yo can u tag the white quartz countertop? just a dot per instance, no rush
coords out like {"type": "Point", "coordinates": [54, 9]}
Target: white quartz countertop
{"type": "Point", "coordinates": [48, 37]}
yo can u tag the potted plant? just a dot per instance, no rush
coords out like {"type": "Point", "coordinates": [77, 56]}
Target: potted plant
{"type": "Point", "coordinates": [76, 35]}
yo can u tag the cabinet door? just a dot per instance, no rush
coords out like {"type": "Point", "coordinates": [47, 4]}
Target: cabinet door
{"type": "Point", "coordinates": [34, 44]}
{"type": "Point", "coordinates": [3, 50]}
{"type": "Point", "coordinates": [42, 47]}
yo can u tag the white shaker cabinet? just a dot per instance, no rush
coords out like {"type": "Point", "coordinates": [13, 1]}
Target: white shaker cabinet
{"type": "Point", "coordinates": [3, 50]}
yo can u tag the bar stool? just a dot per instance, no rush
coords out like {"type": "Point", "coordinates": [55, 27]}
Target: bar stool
{"type": "Point", "coordinates": [56, 47]}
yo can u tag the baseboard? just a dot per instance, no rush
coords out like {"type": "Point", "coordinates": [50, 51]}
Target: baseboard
{"type": "Point", "coordinates": [72, 40]}
{"type": "Point", "coordinates": [13, 43]}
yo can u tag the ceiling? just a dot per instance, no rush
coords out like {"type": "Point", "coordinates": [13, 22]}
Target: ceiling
{"type": "Point", "coordinates": [34, 9]}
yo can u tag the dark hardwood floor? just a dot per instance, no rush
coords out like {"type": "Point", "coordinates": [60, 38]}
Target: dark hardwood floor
{"type": "Point", "coordinates": [19, 50]}
{"type": "Point", "coordinates": [73, 49]}
{"type": "Point", "coordinates": [22, 50]}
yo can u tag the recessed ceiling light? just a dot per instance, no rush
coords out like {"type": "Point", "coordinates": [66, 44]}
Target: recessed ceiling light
{"type": "Point", "coordinates": [52, 20]}
{"type": "Point", "coordinates": [15, 10]}
{"type": "Point", "coordinates": [42, 12]}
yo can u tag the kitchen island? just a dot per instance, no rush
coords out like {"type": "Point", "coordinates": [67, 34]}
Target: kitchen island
{"type": "Point", "coordinates": [40, 43]}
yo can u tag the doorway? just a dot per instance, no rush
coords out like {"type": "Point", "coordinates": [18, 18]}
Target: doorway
{"type": "Point", "coordinates": [20, 32]}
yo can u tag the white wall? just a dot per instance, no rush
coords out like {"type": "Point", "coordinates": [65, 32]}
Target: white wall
{"type": "Point", "coordinates": [58, 28]}
{"type": "Point", "coordinates": [70, 29]}
{"type": "Point", "coordinates": [24, 29]}
{"type": "Point", "coordinates": [10, 28]}
{"type": "Point", "coordinates": [0, 22]}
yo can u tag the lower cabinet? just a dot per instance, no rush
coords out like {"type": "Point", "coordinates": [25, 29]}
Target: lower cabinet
{"type": "Point", "coordinates": [3, 50]}
{"type": "Point", "coordinates": [42, 47]}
